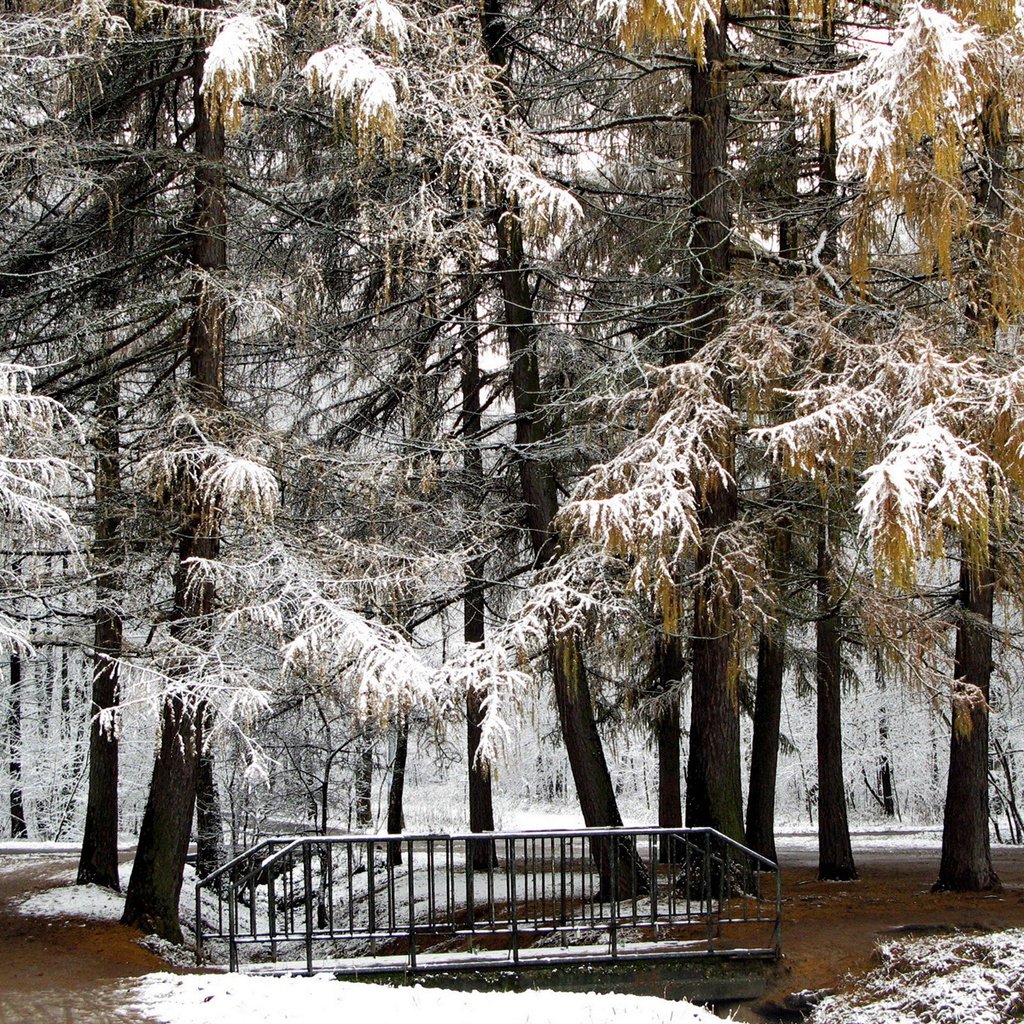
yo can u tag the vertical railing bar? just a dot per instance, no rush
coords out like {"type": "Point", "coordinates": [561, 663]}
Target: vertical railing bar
{"type": "Point", "coordinates": [272, 913]}
{"type": "Point", "coordinates": [707, 890]}
{"type": "Point", "coordinates": [329, 890]}
{"type": "Point", "coordinates": [562, 909]}
{"type": "Point", "coordinates": [430, 883]}
{"type": "Point", "coordinates": [351, 892]}
{"type": "Point", "coordinates": [199, 926]}
{"type": "Point", "coordinates": [307, 881]}
{"type": "Point", "coordinates": [513, 916]}
{"type": "Point", "coordinates": [725, 889]}
{"type": "Point", "coordinates": [371, 896]}
{"type": "Point", "coordinates": [412, 905]}
{"type": "Point", "coordinates": [392, 895]}
{"type": "Point", "coordinates": [491, 911]}
{"type": "Point", "coordinates": [252, 903]}
{"type": "Point", "coordinates": [467, 846]}
{"type": "Point", "coordinates": [688, 875]}
{"type": "Point", "coordinates": [232, 926]}
{"type": "Point", "coordinates": [449, 878]}
{"type": "Point", "coordinates": [613, 897]}
{"type": "Point", "coordinates": [652, 858]}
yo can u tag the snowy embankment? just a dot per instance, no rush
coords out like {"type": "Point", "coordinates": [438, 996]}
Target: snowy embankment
{"type": "Point", "coordinates": [225, 999]}
{"type": "Point", "coordinates": [957, 979]}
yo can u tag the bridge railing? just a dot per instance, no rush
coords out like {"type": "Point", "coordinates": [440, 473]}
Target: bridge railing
{"type": "Point", "coordinates": [363, 904]}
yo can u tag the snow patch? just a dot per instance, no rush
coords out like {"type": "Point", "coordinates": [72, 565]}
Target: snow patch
{"type": "Point", "coordinates": [222, 999]}
{"type": "Point", "coordinates": [949, 980]}
{"type": "Point", "coordinates": [85, 901]}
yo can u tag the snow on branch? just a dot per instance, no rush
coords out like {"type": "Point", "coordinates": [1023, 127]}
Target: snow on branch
{"type": "Point", "coordinates": [30, 474]}
{"type": "Point", "coordinates": [833, 432]}
{"type": "Point", "coordinates": [236, 61]}
{"type": "Point", "coordinates": [225, 482]}
{"type": "Point", "coordinates": [486, 167]}
{"type": "Point", "coordinates": [365, 94]}
{"type": "Point", "coordinates": [643, 503]}
{"type": "Point", "coordinates": [370, 662]}
{"type": "Point", "coordinates": [921, 86]}
{"type": "Point", "coordinates": [493, 671]}
{"type": "Point", "coordinates": [929, 479]}
{"type": "Point", "coordinates": [382, 23]}
{"type": "Point", "coordinates": [99, 21]}
{"type": "Point", "coordinates": [905, 115]}
{"type": "Point", "coordinates": [656, 21]}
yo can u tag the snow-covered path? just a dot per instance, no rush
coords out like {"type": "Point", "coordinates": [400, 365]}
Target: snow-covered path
{"type": "Point", "coordinates": [56, 969]}
{"type": "Point", "coordinates": [65, 960]}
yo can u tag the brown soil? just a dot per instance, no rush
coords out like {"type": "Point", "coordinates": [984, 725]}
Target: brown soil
{"type": "Point", "coordinates": [55, 969]}
{"type": "Point", "coordinates": [830, 929]}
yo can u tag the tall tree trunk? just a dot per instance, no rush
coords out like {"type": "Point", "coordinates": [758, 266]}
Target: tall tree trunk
{"type": "Point", "coordinates": [573, 697]}
{"type": "Point", "coordinates": [362, 783]}
{"type": "Point", "coordinates": [966, 864]}
{"type": "Point", "coordinates": [481, 801]}
{"type": "Point", "coordinates": [19, 826]}
{"type": "Point", "coordinates": [396, 792]}
{"type": "Point", "coordinates": [835, 853]}
{"type": "Point", "coordinates": [481, 804]}
{"type": "Point", "coordinates": [771, 667]}
{"type": "Point", "coordinates": [210, 853]}
{"type": "Point", "coordinates": [886, 789]}
{"type": "Point", "coordinates": [98, 861]}
{"type": "Point", "coordinates": [151, 902]}
{"type": "Point", "coordinates": [670, 666]}
{"type": "Point", "coordinates": [764, 752]}
{"type": "Point", "coordinates": [713, 791]}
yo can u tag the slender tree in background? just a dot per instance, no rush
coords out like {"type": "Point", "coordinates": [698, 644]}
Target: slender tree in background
{"type": "Point", "coordinates": [98, 861]}
{"type": "Point", "coordinates": [151, 900]}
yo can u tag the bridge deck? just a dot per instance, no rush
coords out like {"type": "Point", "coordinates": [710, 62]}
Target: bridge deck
{"type": "Point", "coordinates": [351, 905]}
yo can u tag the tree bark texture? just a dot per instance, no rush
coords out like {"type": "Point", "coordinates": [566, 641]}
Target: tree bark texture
{"type": "Point", "coordinates": [771, 668]}
{"type": "Point", "coordinates": [667, 737]}
{"type": "Point", "coordinates": [714, 796]}
{"type": "Point", "coordinates": [396, 792]}
{"type": "Point", "coordinates": [151, 901]}
{"type": "Point", "coordinates": [764, 752]}
{"type": "Point", "coordinates": [19, 826]}
{"type": "Point", "coordinates": [98, 861]}
{"type": "Point", "coordinates": [835, 853]}
{"type": "Point", "coordinates": [481, 802]}
{"type": "Point", "coordinates": [966, 864]}
{"type": "Point", "coordinates": [362, 784]}
{"type": "Point", "coordinates": [713, 791]}
{"type": "Point", "coordinates": [210, 853]}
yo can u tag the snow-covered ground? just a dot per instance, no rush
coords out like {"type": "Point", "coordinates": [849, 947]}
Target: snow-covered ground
{"type": "Point", "coordinates": [952, 979]}
{"type": "Point", "coordinates": [219, 999]}
{"type": "Point", "coordinates": [91, 902]}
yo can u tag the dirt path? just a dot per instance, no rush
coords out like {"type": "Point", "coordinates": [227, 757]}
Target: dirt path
{"type": "Point", "coordinates": [55, 970]}
{"type": "Point", "coordinates": [62, 969]}
{"type": "Point", "coordinates": [830, 928]}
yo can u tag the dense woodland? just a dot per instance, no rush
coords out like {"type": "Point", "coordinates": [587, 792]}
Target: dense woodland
{"type": "Point", "coordinates": [383, 379]}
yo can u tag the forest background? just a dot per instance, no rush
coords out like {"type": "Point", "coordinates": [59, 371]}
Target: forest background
{"type": "Point", "coordinates": [386, 375]}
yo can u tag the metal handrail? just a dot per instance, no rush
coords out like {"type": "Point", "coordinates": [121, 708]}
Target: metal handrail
{"type": "Point", "coordinates": [657, 895]}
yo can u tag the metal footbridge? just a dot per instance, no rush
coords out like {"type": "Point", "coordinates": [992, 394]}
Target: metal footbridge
{"type": "Point", "coordinates": [413, 905]}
